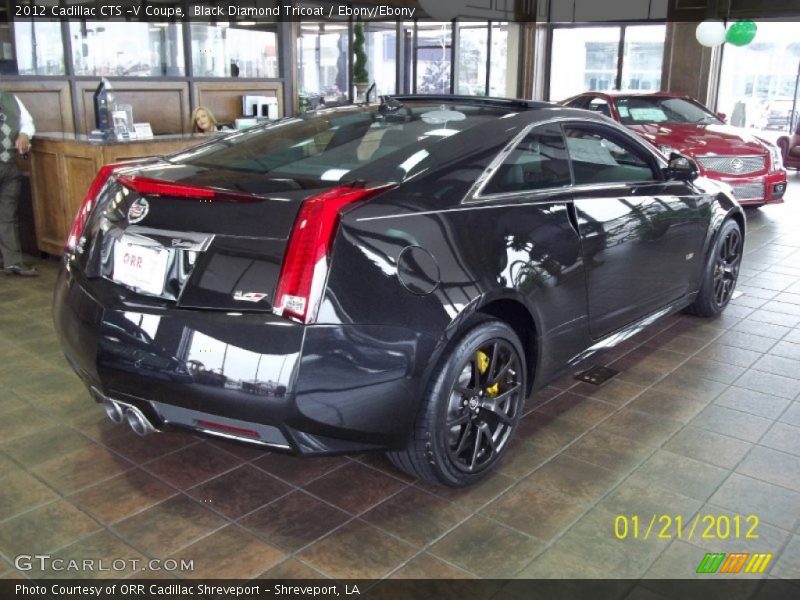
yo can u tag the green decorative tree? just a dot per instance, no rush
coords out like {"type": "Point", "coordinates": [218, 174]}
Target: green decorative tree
{"type": "Point", "coordinates": [360, 73]}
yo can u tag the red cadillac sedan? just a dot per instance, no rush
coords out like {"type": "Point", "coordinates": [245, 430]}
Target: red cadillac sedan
{"type": "Point", "coordinates": [750, 165]}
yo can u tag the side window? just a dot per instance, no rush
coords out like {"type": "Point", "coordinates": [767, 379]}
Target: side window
{"type": "Point", "coordinates": [598, 158]}
{"type": "Point", "coordinates": [599, 105]}
{"type": "Point", "coordinates": [539, 161]}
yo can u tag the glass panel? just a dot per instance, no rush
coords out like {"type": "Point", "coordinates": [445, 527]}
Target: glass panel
{"type": "Point", "coordinates": [644, 53]}
{"type": "Point", "coordinates": [343, 145]}
{"type": "Point", "coordinates": [107, 48]}
{"type": "Point", "coordinates": [31, 48]}
{"type": "Point", "coordinates": [583, 59]}
{"type": "Point", "coordinates": [322, 64]}
{"type": "Point", "coordinates": [539, 161]}
{"type": "Point", "coordinates": [504, 69]}
{"type": "Point", "coordinates": [473, 50]}
{"type": "Point", "coordinates": [227, 51]}
{"type": "Point", "coordinates": [433, 58]}
{"type": "Point", "coordinates": [599, 105]}
{"type": "Point", "coordinates": [597, 158]}
{"type": "Point", "coordinates": [757, 82]}
{"type": "Point", "coordinates": [382, 56]}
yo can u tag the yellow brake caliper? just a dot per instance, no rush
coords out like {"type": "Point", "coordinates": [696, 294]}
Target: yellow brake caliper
{"type": "Point", "coordinates": [482, 361]}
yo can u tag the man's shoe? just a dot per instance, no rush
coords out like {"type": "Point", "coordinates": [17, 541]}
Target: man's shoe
{"type": "Point", "coordinates": [21, 270]}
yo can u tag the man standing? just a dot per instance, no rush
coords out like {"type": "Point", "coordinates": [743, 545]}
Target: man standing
{"type": "Point", "coordinates": [16, 131]}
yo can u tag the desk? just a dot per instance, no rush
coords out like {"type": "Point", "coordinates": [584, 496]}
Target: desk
{"type": "Point", "coordinates": [63, 166]}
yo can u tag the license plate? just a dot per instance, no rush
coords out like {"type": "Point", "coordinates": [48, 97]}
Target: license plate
{"type": "Point", "coordinates": [140, 267]}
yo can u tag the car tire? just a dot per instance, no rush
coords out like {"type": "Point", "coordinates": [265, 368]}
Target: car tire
{"type": "Point", "coordinates": [721, 272]}
{"type": "Point", "coordinates": [470, 410]}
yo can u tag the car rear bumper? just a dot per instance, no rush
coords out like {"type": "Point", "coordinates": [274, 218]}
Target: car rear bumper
{"type": "Point", "coordinates": [254, 377]}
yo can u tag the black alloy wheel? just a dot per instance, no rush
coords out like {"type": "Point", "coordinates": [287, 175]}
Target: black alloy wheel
{"type": "Point", "coordinates": [484, 401]}
{"type": "Point", "coordinates": [726, 266]}
{"type": "Point", "coordinates": [721, 272]}
{"type": "Point", "coordinates": [472, 406]}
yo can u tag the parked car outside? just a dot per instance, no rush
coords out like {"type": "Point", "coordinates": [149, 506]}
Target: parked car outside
{"type": "Point", "coordinates": [395, 277]}
{"type": "Point", "coordinates": [750, 165]}
{"type": "Point", "coordinates": [776, 114]}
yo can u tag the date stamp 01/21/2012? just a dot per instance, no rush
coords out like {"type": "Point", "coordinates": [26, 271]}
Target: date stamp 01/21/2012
{"type": "Point", "coordinates": [670, 527]}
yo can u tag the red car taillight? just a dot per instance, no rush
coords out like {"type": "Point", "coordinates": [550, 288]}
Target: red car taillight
{"type": "Point", "coordinates": [79, 224]}
{"type": "Point", "coordinates": [148, 186]}
{"type": "Point", "coordinates": [305, 265]}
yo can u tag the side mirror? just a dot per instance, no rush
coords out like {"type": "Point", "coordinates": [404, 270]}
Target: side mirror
{"type": "Point", "coordinates": [723, 116]}
{"type": "Point", "coordinates": [681, 168]}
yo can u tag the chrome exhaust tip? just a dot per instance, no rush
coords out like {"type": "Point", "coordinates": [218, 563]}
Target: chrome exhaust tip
{"type": "Point", "coordinates": [138, 422]}
{"type": "Point", "coordinates": [114, 411]}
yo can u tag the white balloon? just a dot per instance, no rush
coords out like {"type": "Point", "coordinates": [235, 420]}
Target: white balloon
{"type": "Point", "coordinates": [710, 33]}
{"type": "Point", "coordinates": [443, 10]}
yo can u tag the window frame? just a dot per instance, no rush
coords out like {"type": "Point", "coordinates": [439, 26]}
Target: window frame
{"type": "Point", "coordinates": [508, 151]}
{"type": "Point", "coordinates": [476, 195]}
{"type": "Point", "coordinates": [622, 25]}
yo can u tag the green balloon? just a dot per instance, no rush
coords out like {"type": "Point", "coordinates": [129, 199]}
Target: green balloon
{"type": "Point", "coordinates": [741, 33]}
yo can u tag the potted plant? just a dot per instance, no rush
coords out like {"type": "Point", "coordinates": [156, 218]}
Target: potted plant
{"type": "Point", "coordinates": [360, 73]}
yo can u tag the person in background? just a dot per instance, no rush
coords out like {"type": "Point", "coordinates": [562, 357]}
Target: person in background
{"type": "Point", "coordinates": [203, 120]}
{"type": "Point", "coordinates": [16, 131]}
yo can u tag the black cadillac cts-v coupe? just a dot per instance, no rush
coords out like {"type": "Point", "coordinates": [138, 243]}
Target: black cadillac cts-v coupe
{"type": "Point", "coordinates": [396, 277]}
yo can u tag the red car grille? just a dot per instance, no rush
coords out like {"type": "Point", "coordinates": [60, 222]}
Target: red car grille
{"type": "Point", "coordinates": [733, 165]}
{"type": "Point", "coordinates": [748, 191]}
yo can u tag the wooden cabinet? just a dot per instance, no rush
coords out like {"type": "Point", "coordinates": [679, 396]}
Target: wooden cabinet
{"type": "Point", "coordinates": [63, 167]}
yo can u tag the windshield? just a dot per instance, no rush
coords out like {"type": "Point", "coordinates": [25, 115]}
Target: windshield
{"type": "Point", "coordinates": [335, 145]}
{"type": "Point", "coordinates": [635, 110]}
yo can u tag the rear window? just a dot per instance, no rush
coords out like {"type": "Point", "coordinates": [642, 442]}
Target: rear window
{"type": "Point", "coordinates": [387, 141]}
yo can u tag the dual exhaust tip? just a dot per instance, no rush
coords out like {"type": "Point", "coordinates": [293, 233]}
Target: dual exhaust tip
{"type": "Point", "coordinates": [119, 413]}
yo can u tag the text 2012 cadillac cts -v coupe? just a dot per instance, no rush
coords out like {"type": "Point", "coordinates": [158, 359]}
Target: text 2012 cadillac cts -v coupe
{"type": "Point", "coordinates": [393, 277]}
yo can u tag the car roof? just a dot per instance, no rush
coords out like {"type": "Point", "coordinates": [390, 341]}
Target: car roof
{"type": "Point", "coordinates": [514, 103]}
{"type": "Point", "coordinates": [534, 109]}
{"type": "Point", "coordinates": [619, 94]}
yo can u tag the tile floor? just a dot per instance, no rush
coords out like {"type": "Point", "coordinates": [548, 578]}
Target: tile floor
{"type": "Point", "coordinates": [703, 419]}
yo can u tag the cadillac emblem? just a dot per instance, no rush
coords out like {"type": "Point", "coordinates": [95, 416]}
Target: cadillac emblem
{"type": "Point", "coordinates": [138, 210]}
{"type": "Point", "coordinates": [737, 164]}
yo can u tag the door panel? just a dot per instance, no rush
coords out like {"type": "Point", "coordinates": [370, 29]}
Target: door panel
{"type": "Point", "coordinates": [640, 247]}
{"type": "Point", "coordinates": [641, 236]}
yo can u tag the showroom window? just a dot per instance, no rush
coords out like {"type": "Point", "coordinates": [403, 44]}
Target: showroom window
{"type": "Point", "coordinates": [432, 58]}
{"type": "Point", "coordinates": [757, 81]}
{"type": "Point", "coordinates": [504, 60]}
{"type": "Point", "coordinates": [245, 49]}
{"type": "Point", "coordinates": [487, 58]}
{"type": "Point", "coordinates": [473, 58]}
{"type": "Point", "coordinates": [129, 49]}
{"type": "Point", "coordinates": [31, 48]}
{"type": "Point", "coordinates": [616, 57]}
{"type": "Point", "coordinates": [381, 47]}
{"type": "Point", "coordinates": [323, 63]}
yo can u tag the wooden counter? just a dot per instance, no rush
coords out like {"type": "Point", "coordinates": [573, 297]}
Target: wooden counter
{"type": "Point", "coordinates": [63, 166]}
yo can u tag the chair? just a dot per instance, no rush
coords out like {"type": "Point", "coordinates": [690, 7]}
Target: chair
{"type": "Point", "coordinates": [790, 149]}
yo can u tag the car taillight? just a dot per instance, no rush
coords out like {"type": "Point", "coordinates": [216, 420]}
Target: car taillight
{"type": "Point", "coordinates": [79, 224]}
{"type": "Point", "coordinates": [305, 265]}
{"type": "Point", "coordinates": [146, 185]}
